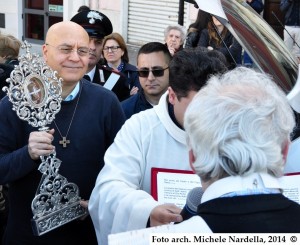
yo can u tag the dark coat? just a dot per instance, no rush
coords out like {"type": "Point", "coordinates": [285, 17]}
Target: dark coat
{"type": "Point", "coordinates": [232, 50]}
{"type": "Point", "coordinates": [265, 213]}
{"type": "Point", "coordinates": [132, 76]}
{"type": "Point", "coordinates": [192, 39]}
{"type": "Point", "coordinates": [5, 70]}
{"type": "Point", "coordinates": [135, 104]}
{"type": "Point", "coordinates": [289, 8]}
{"type": "Point", "coordinates": [121, 88]}
{"type": "Point", "coordinates": [257, 5]}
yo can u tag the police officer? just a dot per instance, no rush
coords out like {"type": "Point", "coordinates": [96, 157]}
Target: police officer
{"type": "Point", "coordinates": [97, 25]}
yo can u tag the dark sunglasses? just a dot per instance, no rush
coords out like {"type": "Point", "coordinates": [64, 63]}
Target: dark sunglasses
{"type": "Point", "coordinates": [158, 72]}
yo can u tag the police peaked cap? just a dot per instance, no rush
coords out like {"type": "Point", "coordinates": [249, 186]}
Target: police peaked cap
{"type": "Point", "coordinates": [95, 23]}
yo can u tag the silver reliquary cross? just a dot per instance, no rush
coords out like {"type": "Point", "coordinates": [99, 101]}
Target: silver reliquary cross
{"type": "Point", "coordinates": [35, 93]}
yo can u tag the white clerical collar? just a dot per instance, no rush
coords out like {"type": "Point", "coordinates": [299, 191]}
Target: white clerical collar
{"type": "Point", "coordinates": [91, 74]}
{"type": "Point", "coordinates": [74, 92]}
{"type": "Point", "coordinates": [239, 183]}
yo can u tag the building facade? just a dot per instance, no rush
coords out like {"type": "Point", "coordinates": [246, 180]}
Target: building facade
{"type": "Point", "coordinates": [138, 21]}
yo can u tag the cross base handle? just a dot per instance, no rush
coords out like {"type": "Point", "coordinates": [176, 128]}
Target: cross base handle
{"type": "Point", "coordinates": [56, 219]}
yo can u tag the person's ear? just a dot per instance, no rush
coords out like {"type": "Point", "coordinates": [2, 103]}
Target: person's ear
{"type": "Point", "coordinates": [192, 159]}
{"type": "Point", "coordinates": [45, 52]}
{"type": "Point", "coordinates": [285, 150]}
{"type": "Point", "coordinates": [172, 96]}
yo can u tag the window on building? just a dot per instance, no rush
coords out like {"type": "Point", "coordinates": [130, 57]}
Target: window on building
{"type": "Point", "coordinates": [38, 16]}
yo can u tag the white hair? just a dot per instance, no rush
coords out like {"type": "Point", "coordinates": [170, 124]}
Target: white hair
{"type": "Point", "coordinates": [179, 28]}
{"type": "Point", "coordinates": [239, 124]}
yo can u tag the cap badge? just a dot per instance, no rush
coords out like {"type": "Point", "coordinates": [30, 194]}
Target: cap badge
{"type": "Point", "coordinates": [92, 15]}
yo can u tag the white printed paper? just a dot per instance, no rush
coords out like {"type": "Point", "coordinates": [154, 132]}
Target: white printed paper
{"type": "Point", "coordinates": [174, 187]}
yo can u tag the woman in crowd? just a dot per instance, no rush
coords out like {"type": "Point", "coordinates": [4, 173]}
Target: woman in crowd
{"type": "Point", "coordinates": [195, 29]}
{"type": "Point", "coordinates": [174, 38]}
{"type": "Point", "coordinates": [217, 36]}
{"type": "Point", "coordinates": [9, 51]}
{"type": "Point", "coordinates": [116, 56]}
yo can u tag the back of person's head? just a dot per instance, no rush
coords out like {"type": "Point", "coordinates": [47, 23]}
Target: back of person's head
{"type": "Point", "coordinates": [179, 28]}
{"type": "Point", "coordinates": [219, 55]}
{"type": "Point", "coordinates": [9, 47]}
{"type": "Point", "coordinates": [212, 53]}
{"type": "Point", "coordinates": [190, 69]}
{"type": "Point", "coordinates": [96, 24]}
{"type": "Point", "coordinates": [238, 124]}
{"type": "Point", "coordinates": [153, 47]}
{"type": "Point", "coordinates": [120, 40]}
{"type": "Point", "coordinates": [83, 8]}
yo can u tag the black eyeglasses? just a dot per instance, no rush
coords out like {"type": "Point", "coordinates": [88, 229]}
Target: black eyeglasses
{"type": "Point", "coordinates": [157, 72]}
{"type": "Point", "coordinates": [112, 48]}
{"type": "Point", "coordinates": [83, 51]}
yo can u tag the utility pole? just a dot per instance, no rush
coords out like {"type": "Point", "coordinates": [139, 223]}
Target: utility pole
{"type": "Point", "coordinates": [181, 12]}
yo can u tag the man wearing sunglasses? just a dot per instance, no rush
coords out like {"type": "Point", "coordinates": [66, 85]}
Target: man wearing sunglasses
{"type": "Point", "coordinates": [154, 138]}
{"type": "Point", "coordinates": [97, 25]}
{"type": "Point", "coordinates": [153, 68]}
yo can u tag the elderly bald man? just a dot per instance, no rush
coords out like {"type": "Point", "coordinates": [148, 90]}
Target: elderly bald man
{"type": "Point", "coordinates": [89, 119]}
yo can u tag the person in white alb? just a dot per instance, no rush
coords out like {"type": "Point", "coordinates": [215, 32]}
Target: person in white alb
{"type": "Point", "coordinates": [121, 199]}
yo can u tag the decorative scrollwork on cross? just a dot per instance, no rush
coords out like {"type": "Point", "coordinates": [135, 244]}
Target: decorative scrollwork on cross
{"type": "Point", "coordinates": [34, 90]}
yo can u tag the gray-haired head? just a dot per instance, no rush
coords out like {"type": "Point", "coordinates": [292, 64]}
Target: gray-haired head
{"type": "Point", "coordinates": [179, 28]}
{"type": "Point", "coordinates": [238, 124]}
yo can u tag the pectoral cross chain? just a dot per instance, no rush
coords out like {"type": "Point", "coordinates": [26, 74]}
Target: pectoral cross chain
{"type": "Point", "coordinates": [64, 142]}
